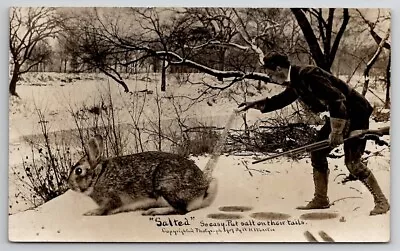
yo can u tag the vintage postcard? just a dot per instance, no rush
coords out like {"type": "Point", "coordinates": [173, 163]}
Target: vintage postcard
{"type": "Point", "coordinates": [199, 124]}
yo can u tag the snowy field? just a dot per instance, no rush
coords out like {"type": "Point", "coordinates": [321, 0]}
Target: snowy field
{"type": "Point", "coordinates": [271, 188]}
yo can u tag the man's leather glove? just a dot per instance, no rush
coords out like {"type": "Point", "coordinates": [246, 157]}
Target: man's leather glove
{"type": "Point", "coordinates": [337, 128]}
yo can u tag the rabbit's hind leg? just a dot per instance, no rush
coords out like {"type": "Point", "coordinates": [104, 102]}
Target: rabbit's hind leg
{"type": "Point", "coordinates": [160, 211]}
{"type": "Point", "coordinates": [143, 203]}
{"type": "Point", "coordinates": [182, 201]}
{"type": "Point", "coordinates": [180, 207]}
{"type": "Point", "coordinates": [95, 212]}
{"type": "Point", "coordinates": [175, 205]}
{"type": "Point", "coordinates": [205, 199]}
{"type": "Point", "coordinates": [162, 207]}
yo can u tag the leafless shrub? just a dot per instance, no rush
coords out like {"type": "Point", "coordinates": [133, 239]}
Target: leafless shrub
{"type": "Point", "coordinates": [45, 171]}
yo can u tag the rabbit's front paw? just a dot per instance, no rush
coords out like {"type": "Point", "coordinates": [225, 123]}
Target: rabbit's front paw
{"type": "Point", "coordinates": [94, 212]}
{"type": "Point", "coordinates": [159, 211]}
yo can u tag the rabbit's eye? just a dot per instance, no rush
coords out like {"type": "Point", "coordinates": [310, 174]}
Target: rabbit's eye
{"type": "Point", "coordinates": [78, 171]}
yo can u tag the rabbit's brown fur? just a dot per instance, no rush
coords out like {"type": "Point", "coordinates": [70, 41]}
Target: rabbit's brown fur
{"type": "Point", "coordinates": [162, 183]}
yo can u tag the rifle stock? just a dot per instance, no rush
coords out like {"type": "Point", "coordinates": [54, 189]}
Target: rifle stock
{"type": "Point", "coordinates": [380, 132]}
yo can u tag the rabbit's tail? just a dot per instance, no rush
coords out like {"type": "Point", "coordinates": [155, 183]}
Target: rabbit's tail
{"type": "Point", "coordinates": [211, 193]}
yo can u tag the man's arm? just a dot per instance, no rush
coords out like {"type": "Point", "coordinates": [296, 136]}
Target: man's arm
{"type": "Point", "coordinates": [276, 102]}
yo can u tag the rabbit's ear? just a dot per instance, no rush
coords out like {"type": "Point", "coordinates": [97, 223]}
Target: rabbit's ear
{"type": "Point", "coordinates": [95, 149]}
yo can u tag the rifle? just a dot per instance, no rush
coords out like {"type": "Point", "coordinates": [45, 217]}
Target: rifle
{"type": "Point", "coordinates": [361, 134]}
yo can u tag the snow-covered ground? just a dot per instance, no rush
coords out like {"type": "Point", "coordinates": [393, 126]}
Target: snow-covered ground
{"type": "Point", "coordinates": [275, 186]}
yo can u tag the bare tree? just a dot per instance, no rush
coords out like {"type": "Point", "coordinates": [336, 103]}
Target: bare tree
{"type": "Point", "coordinates": [30, 29]}
{"type": "Point", "coordinates": [382, 43]}
{"type": "Point", "coordinates": [324, 56]}
{"type": "Point", "coordinates": [87, 34]}
{"type": "Point", "coordinates": [175, 36]}
{"type": "Point", "coordinates": [62, 54]}
{"type": "Point", "coordinates": [226, 43]}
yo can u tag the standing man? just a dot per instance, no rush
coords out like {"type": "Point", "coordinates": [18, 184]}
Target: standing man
{"type": "Point", "coordinates": [320, 91]}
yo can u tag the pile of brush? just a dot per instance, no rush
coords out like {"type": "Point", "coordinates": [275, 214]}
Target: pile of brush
{"type": "Point", "coordinates": [271, 139]}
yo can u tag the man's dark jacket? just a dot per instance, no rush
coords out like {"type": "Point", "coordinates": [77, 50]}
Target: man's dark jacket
{"type": "Point", "coordinates": [320, 91]}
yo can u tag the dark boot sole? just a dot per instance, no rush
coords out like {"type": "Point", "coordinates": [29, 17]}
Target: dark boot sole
{"type": "Point", "coordinates": [312, 208]}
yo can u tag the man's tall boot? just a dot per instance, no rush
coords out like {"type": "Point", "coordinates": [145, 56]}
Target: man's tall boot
{"type": "Point", "coordinates": [320, 200]}
{"type": "Point", "coordinates": [381, 203]}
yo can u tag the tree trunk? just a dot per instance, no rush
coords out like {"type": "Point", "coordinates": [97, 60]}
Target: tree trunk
{"type": "Point", "coordinates": [14, 80]}
{"type": "Point", "coordinates": [163, 77]}
{"type": "Point", "coordinates": [310, 38]}
{"type": "Point", "coordinates": [387, 100]}
{"type": "Point", "coordinates": [155, 65]}
{"type": "Point", "coordinates": [323, 59]}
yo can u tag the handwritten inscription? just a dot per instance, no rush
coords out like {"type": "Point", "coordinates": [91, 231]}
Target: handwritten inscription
{"type": "Point", "coordinates": [249, 223]}
{"type": "Point", "coordinates": [170, 222]}
{"type": "Point", "coordinates": [188, 225]}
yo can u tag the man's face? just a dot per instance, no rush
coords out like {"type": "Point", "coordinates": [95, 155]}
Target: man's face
{"type": "Point", "coordinates": [279, 75]}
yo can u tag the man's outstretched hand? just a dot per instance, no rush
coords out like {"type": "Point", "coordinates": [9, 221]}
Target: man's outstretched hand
{"type": "Point", "coordinates": [247, 105]}
{"type": "Point", "coordinates": [241, 108]}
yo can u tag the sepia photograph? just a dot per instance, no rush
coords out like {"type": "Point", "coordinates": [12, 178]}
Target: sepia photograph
{"type": "Point", "coordinates": [183, 124]}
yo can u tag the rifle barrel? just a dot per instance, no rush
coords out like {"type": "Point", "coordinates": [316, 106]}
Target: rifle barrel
{"type": "Point", "coordinates": [325, 143]}
{"type": "Point", "coordinates": [308, 148]}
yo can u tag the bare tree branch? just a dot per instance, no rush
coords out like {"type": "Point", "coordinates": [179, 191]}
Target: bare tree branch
{"type": "Point", "coordinates": [241, 27]}
{"type": "Point", "coordinates": [371, 26]}
{"type": "Point", "coordinates": [309, 36]}
{"type": "Point", "coordinates": [372, 61]}
{"type": "Point", "coordinates": [339, 35]}
{"type": "Point", "coordinates": [329, 24]}
{"type": "Point", "coordinates": [219, 43]}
